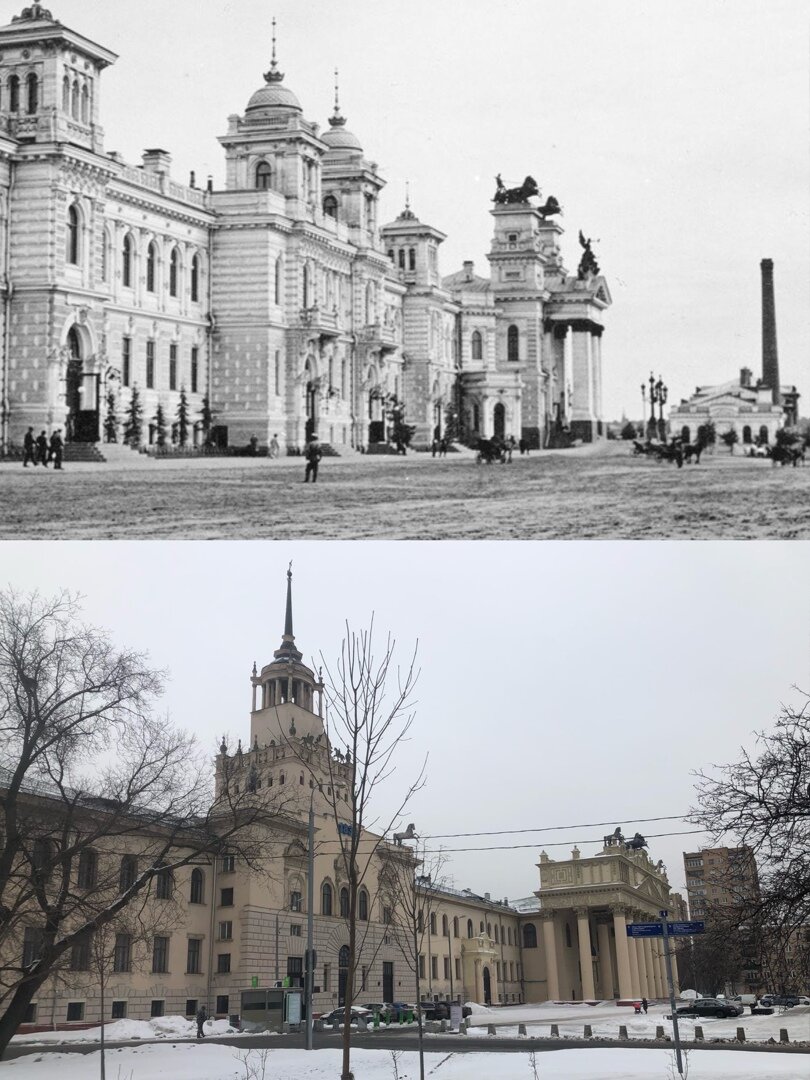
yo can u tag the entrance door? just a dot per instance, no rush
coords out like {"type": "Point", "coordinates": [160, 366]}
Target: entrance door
{"type": "Point", "coordinates": [81, 396]}
{"type": "Point", "coordinates": [312, 411]}
{"type": "Point", "coordinates": [388, 981]}
{"type": "Point", "coordinates": [343, 974]}
{"type": "Point", "coordinates": [499, 421]}
{"type": "Point", "coordinates": [487, 988]}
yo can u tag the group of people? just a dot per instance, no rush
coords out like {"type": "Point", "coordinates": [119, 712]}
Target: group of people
{"type": "Point", "coordinates": [40, 450]}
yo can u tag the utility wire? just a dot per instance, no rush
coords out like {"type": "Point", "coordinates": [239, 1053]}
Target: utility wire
{"type": "Point", "coordinates": [553, 828]}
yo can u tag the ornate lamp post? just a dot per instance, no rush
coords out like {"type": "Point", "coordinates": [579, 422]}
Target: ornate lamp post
{"type": "Point", "coordinates": [643, 406]}
{"type": "Point", "coordinates": [651, 424]}
{"type": "Point", "coordinates": [662, 400]}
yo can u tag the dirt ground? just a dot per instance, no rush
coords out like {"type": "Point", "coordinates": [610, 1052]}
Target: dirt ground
{"type": "Point", "coordinates": [591, 493]}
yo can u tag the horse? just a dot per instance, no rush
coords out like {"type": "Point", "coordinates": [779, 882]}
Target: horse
{"type": "Point", "coordinates": [490, 450]}
{"type": "Point", "coordinates": [409, 834]}
{"type": "Point", "coordinates": [551, 206]}
{"type": "Point", "coordinates": [520, 194]}
{"type": "Point", "coordinates": [781, 454]}
{"type": "Point", "coordinates": [693, 450]}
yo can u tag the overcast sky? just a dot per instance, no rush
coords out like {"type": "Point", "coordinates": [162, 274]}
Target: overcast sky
{"type": "Point", "coordinates": [676, 134]}
{"type": "Point", "coordinates": [561, 683]}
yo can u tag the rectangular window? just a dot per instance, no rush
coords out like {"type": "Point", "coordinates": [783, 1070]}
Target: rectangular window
{"type": "Point", "coordinates": [327, 978]}
{"type": "Point", "coordinates": [434, 967]}
{"type": "Point", "coordinates": [160, 955]}
{"type": "Point", "coordinates": [447, 967]}
{"type": "Point", "coordinates": [278, 373]}
{"type": "Point", "coordinates": [222, 1003]}
{"type": "Point", "coordinates": [226, 930]}
{"type": "Point", "coordinates": [195, 368]}
{"type": "Point", "coordinates": [498, 969]}
{"type": "Point", "coordinates": [421, 967]}
{"type": "Point", "coordinates": [126, 361]}
{"type": "Point", "coordinates": [191, 1006]}
{"type": "Point", "coordinates": [30, 1014]}
{"type": "Point", "coordinates": [295, 901]}
{"type": "Point", "coordinates": [457, 963]}
{"type": "Point", "coordinates": [227, 864]}
{"type": "Point", "coordinates": [80, 955]}
{"type": "Point", "coordinates": [158, 1007]}
{"type": "Point", "coordinates": [387, 915]}
{"type": "Point", "coordinates": [119, 1010]}
{"type": "Point", "coordinates": [150, 365]}
{"type": "Point", "coordinates": [295, 929]}
{"type": "Point", "coordinates": [194, 956]}
{"type": "Point", "coordinates": [364, 978]}
{"type": "Point", "coordinates": [295, 970]}
{"type": "Point", "coordinates": [226, 897]}
{"type": "Point", "coordinates": [32, 943]}
{"type": "Point", "coordinates": [122, 954]}
{"type": "Point", "coordinates": [223, 963]}
{"type": "Point", "coordinates": [172, 367]}
{"type": "Point", "coordinates": [75, 1011]}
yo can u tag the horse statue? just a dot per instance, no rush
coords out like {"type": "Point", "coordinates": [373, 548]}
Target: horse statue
{"type": "Point", "coordinates": [520, 194]}
{"type": "Point", "coordinates": [637, 843]}
{"type": "Point", "coordinates": [551, 206]}
{"type": "Point", "coordinates": [614, 838]}
{"type": "Point", "coordinates": [409, 834]}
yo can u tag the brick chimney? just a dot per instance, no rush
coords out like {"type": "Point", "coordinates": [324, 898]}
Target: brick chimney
{"type": "Point", "coordinates": [469, 266]}
{"type": "Point", "coordinates": [745, 376]}
{"type": "Point", "coordinates": [770, 357]}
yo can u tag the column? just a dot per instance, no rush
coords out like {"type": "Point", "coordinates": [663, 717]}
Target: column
{"type": "Point", "coordinates": [648, 967]}
{"type": "Point", "coordinates": [643, 985]}
{"type": "Point", "coordinates": [550, 950]}
{"type": "Point", "coordinates": [635, 982]}
{"type": "Point", "coordinates": [605, 965]}
{"type": "Point", "coordinates": [622, 953]}
{"type": "Point", "coordinates": [585, 957]}
{"type": "Point", "coordinates": [596, 354]}
{"type": "Point", "coordinates": [582, 405]}
{"type": "Point", "coordinates": [656, 965]}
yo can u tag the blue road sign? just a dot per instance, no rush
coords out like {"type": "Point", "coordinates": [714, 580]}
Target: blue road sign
{"type": "Point", "coordinates": [674, 929]}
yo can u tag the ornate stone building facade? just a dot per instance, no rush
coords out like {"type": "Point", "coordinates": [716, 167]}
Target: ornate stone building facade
{"type": "Point", "coordinates": [278, 305]}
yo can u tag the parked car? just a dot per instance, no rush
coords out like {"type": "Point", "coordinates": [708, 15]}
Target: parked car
{"type": "Point", "coordinates": [786, 1000]}
{"type": "Point", "coordinates": [435, 1010]}
{"type": "Point", "coordinates": [711, 1007]}
{"type": "Point", "coordinates": [338, 1016]}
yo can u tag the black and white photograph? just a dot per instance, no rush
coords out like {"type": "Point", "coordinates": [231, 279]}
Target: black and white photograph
{"type": "Point", "coordinates": [516, 285]}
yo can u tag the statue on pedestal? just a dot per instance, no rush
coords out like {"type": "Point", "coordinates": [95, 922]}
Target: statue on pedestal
{"type": "Point", "coordinates": [588, 266]}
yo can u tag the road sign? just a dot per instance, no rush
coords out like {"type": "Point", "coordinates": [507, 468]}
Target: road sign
{"type": "Point", "coordinates": [674, 929]}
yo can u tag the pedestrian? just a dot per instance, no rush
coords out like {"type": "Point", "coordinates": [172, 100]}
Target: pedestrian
{"type": "Point", "coordinates": [275, 449]}
{"type": "Point", "coordinates": [522, 446]}
{"type": "Point", "coordinates": [42, 449]}
{"type": "Point", "coordinates": [434, 446]}
{"type": "Point", "coordinates": [29, 448]}
{"type": "Point", "coordinates": [202, 1016]}
{"type": "Point", "coordinates": [57, 448]}
{"type": "Point", "coordinates": [313, 455]}
{"type": "Point", "coordinates": [443, 448]}
{"type": "Point", "coordinates": [644, 1005]}
{"type": "Point", "coordinates": [254, 445]}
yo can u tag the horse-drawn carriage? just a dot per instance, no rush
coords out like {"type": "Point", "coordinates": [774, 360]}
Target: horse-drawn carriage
{"type": "Point", "coordinates": [489, 450]}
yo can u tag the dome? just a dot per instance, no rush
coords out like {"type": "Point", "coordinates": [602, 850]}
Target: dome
{"type": "Point", "coordinates": [273, 95]}
{"type": "Point", "coordinates": [338, 138]}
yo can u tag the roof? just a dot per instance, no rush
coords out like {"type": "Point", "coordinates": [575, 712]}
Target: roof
{"type": "Point", "coordinates": [462, 279]}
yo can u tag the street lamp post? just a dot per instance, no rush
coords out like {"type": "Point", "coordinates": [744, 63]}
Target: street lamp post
{"type": "Point", "coordinates": [663, 393]}
{"type": "Point", "coordinates": [651, 425]}
{"type": "Point", "coordinates": [643, 407]}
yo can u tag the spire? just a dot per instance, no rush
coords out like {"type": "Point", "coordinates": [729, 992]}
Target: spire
{"type": "Point", "coordinates": [273, 75]}
{"type": "Point", "coordinates": [407, 214]}
{"type": "Point", "coordinates": [287, 650]}
{"type": "Point", "coordinates": [336, 120]}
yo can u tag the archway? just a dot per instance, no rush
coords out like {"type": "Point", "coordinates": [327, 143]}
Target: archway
{"type": "Point", "coordinates": [311, 404]}
{"type": "Point", "coordinates": [487, 987]}
{"type": "Point", "coordinates": [747, 433]}
{"type": "Point", "coordinates": [81, 394]}
{"type": "Point", "coordinates": [499, 420]}
{"type": "Point", "coordinates": [343, 973]}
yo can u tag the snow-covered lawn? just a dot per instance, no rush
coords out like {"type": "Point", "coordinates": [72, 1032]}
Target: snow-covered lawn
{"type": "Point", "coordinates": [162, 1027]}
{"type": "Point", "coordinates": [605, 1021]}
{"type": "Point", "coordinates": [210, 1061]}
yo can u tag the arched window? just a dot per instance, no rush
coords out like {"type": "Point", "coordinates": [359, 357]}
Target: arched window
{"type": "Point", "coordinates": [496, 934]}
{"type": "Point", "coordinates": [164, 884]}
{"type": "Point", "coordinates": [126, 262]}
{"type": "Point", "coordinates": [476, 344]}
{"type": "Point", "coordinates": [512, 344]}
{"type": "Point", "coordinates": [279, 279]}
{"type": "Point", "coordinates": [362, 905]}
{"type": "Point", "coordinates": [402, 258]}
{"type": "Point", "coordinates": [151, 266]}
{"type": "Point", "coordinates": [482, 927]}
{"type": "Point", "coordinates": [509, 935]}
{"type": "Point", "coordinates": [344, 903]}
{"type": "Point", "coordinates": [330, 206]}
{"type": "Point", "coordinates": [74, 100]}
{"type": "Point", "coordinates": [412, 258]}
{"type": "Point", "coordinates": [66, 94]}
{"type": "Point", "coordinates": [127, 873]}
{"type": "Point", "coordinates": [195, 279]}
{"type": "Point", "coordinates": [455, 926]}
{"type": "Point", "coordinates": [264, 176]}
{"type": "Point", "coordinates": [14, 93]}
{"type": "Point", "coordinates": [567, 936]}
{"type": "Point", "coordinates": [469, 928]}
{"type": "Point", "coordinates": [763, 435]}
{"type": "Point", "coordinates": [88, 869]}
{"type": "Point", "coordinates": [391, 254]}
{"type": "Point", "coordinates": [326, 899]}
{"type": "Point", "coordinates": [105, 256]}
{"type": "Point", "coordinates": [747, 433]}
{"type": "Point", "coordinates": [445, 927]}
{"type": "Point", "coordinates": [174, 272]}
{"type": "Point", "coordinates": [196, 891]}
{"type": "Point", "coordinates": [489, 929]}
{"type": "Point", "coordinates": [32, 84]}
{"type": "Point", "coordinates": [72, 240]}
{"type": "Point", "coordinates": [85, 104]}
{"type": "Point", "coordinates": [433, 922]}
{"type": "Point", "coordinates": [529, 936]}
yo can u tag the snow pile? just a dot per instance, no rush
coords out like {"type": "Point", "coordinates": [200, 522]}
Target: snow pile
{"type": "Point", "coordinates": [160, 1027]}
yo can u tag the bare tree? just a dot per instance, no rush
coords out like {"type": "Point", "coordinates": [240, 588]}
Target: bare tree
{"type": "Point", "coordinates": [762, 802]}
{"type": "Point", "coordinates": [369, 711]}
{"type": "Point", "coordinates": [101, 800]}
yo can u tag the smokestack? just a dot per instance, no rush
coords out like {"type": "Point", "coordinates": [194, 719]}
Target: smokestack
{"type": "Point", "coordinates": [770, 358]}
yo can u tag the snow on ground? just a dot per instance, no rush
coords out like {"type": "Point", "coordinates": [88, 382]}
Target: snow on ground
{"type": "Point", "coordinates": [606, 1018]}
{"type": "Point", "coordinates": [210, 1061]}
{"type": "Point", "coordinates": [168, 1027]}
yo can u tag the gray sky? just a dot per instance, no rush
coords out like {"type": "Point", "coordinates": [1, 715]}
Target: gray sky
{"type": "Point", "coordinates": [675, 134]}
{"type": "Point", "coordinates": [561, 683]}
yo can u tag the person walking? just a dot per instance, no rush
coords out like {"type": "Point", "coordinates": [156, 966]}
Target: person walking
{"type": "Point", "coordinates": [275, 449]}
{"type": "Point", "coordinates": [42, 449]}
{"type": "Point", "coordinates": [29, 448]}
{"type": "Point", "coordinates": [202, 1016]}
{"type": "Point", "coordinates": [313, 455]}
{"type": "Point", "coordinates": [57, 449]}
{"type": "Point", "coordinates": [644, 1005]}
